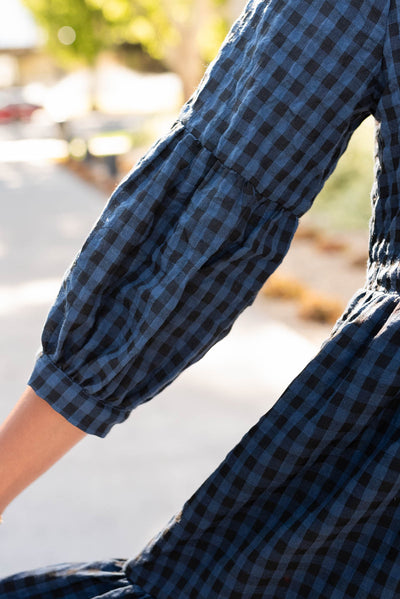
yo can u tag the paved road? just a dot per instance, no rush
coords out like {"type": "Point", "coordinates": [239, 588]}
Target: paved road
{"type": "Point", "coordinates": [108, 497]}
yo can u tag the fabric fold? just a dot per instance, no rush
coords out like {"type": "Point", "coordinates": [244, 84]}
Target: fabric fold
{"type": "Point", "coordinates": [172, 261]}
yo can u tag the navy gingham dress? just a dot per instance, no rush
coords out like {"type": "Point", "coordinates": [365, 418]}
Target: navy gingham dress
{"type": "Point", "coordinates": [307, 505]}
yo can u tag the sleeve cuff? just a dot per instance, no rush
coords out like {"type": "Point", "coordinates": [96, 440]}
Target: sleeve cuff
{"type": "Point", "coordinates": [71, 401]}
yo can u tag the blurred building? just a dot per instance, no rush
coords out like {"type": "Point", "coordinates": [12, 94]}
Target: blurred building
{"type": "Point", "coordinates": [21, 57]}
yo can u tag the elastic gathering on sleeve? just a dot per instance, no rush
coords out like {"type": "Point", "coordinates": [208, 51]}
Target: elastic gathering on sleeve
{"type": "Point", "coordinates": [190, 236]}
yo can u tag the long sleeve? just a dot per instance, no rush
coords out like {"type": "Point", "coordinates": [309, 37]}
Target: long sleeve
{"type": "Point", "coordinates": [189, 237]}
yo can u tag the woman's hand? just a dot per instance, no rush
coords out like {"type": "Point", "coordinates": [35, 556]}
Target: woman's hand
{"type": "Point", "coordinates": [32, 439]}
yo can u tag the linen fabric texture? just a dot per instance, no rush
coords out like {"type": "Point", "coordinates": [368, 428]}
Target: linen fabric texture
{"type": "Point", "coordinates": [307, 504]}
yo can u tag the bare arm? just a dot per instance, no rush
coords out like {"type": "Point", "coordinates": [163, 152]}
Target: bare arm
{"type": "Point", "coordinates": [32, 438]}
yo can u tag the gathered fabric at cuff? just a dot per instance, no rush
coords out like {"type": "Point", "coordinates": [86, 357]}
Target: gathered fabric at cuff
{"type": "Point", "coordinates": [71, 401]}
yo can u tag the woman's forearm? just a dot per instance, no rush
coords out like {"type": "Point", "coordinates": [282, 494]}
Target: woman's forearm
{"type": "Point", "coordinates": [32, 438]}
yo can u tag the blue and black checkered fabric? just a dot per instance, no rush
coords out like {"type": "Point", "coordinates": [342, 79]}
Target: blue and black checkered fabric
{"type": "Point", "coordinates": [94, 580]}
{"type": "Point", "coordinates": [307, 505]}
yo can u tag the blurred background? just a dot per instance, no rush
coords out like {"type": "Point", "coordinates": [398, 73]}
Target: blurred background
{"type": "Point", "coordinates": [86, 86]}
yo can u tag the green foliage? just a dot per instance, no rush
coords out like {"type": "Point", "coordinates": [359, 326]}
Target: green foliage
{"type": "Point", "coordinates": [83, 18]}
{"type": "Point", "coordinates": [344, 202]}
{"type": "Point", "coordinates": [158, 25]}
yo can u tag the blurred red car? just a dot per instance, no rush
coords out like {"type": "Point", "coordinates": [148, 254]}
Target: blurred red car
{"type": "Point", "coordinates": [19, 111]}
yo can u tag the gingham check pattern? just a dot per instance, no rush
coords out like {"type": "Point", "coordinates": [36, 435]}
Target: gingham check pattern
{"type": "Point", "coordinates": [94, 580]}
{"type": "Point", "coordinates": [307, 504]}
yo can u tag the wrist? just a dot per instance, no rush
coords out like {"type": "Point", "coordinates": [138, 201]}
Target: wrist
{"type": "Point", "coordinates": [32, 439]}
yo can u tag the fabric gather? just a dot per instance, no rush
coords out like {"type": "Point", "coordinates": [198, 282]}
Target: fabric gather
{"type": "Point", "coordinates": [135, 307]}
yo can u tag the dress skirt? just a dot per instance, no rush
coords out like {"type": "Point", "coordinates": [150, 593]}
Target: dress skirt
{"type": "Point", "coordinates": [307, 505]}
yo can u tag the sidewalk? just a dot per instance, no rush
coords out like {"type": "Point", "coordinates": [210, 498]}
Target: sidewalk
{"type": "Point", "coordinates": [108, 497]}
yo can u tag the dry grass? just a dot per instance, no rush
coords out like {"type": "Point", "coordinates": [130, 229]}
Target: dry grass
{"type": "Point", "coordinates": [308, 232]}
{"type": "Point", "coordinates": [330, 244]}
{"type": "Point", "coordinates": [320, 308]}
{"type": "Point", "coordinates": [282, 287]}
{"type": "Point", "coordinates": [360, 260]}
{"type": "Point", "coordinates": [322, 241]}
{"type": "Point", "coordinates": [314, 306]}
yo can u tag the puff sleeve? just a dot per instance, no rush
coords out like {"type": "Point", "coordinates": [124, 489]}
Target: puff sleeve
{"type": "Point", "coordinates": [189, 237]}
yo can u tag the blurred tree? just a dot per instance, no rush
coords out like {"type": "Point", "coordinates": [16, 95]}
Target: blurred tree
{"type": "Point", "coordinates": [76, 31]}
{"type": "Point", "coordinates": [183, 34]}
